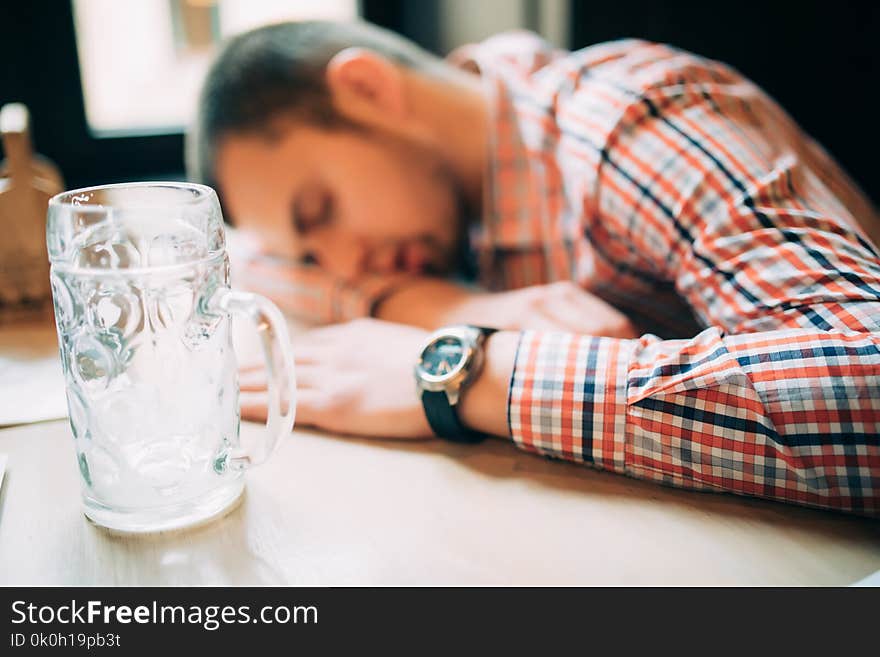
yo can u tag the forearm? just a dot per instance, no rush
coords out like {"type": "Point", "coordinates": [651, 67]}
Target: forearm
{"type": "Point", "coordinates": [429, 303]}
{"type": "Point", "coordinates": [785, 415]}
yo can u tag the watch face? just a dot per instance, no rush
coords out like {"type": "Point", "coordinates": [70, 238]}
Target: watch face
{"type": "Point", "coordinates": [442, 356]}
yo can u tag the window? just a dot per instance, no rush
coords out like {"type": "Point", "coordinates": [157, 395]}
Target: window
{"type": "Point", "coordinates": [108, 104]}
{"type": "Point", "coordinates": [142, 61]}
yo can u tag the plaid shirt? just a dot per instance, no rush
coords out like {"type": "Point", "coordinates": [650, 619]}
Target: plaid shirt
{"type": "Point", "coordinates": [675, 189]}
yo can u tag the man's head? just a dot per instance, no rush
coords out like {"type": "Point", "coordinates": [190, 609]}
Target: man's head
{"type": "Point", "coordinates": [327, 143]}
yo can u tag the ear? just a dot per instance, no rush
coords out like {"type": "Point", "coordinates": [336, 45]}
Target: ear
{"type": "Point", "coordinates": [366, 86]}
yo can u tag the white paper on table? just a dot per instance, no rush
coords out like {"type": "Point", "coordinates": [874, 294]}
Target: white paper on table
{"type": "Point", "coordinates": [31, 381]}
{"type": "Point", "coordinates": [870, 580]}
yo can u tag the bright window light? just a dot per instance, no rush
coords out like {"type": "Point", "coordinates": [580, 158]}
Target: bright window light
{"type": "Point", "coordinates": [142, 61]}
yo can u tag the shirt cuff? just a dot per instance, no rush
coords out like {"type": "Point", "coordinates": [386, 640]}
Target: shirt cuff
{"type": "Point", "coordinates": [568, 396]}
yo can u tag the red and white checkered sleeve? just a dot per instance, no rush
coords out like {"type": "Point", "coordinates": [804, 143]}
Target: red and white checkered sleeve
{"type": "Point", "coordinates": [766, 241]}
{"type": "Point", "coordinates": [568, 397]}
{"type": "Point", "coordinates": [790, 415]}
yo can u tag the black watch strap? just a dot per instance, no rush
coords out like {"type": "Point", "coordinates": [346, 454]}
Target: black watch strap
{"type": "Point", "coordinates": [444, 420]}
{"type": "Point", "coordinates": [443, 416]}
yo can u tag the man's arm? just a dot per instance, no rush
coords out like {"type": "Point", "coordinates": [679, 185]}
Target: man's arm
{"type": "Point", "coordinates": [780, 396]}
{"type": "Point", "coordinates": [562, 306]}
{"type": "Point", "coordinates": [310, 294]}
{"type": "Point", "coordinates": [790, 415]}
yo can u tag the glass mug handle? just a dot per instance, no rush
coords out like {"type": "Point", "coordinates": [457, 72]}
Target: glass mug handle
{"type": "Point", "coordinates": [271, 328]}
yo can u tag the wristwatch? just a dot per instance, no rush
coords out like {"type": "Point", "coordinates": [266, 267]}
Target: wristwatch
{"type": "Point", "coordinates": [450, 359]}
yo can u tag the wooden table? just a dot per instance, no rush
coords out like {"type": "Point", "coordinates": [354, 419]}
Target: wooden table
{"type": "Point", "coordinates": [332, 511]}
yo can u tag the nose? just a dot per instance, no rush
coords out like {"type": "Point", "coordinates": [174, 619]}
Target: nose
{"type": "Point", "coordinates": [383, 258]}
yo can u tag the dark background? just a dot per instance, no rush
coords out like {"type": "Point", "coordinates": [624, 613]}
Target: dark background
{"type": "Point", "coordinates": [820, 60]}
{"type": "Point", "coordinates": [474, 620]}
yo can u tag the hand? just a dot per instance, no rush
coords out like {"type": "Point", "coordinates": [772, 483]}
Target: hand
{"type": "Point", "coordinates": [354, 378]}
{"type": "Point", "coordinates": [561, 306]}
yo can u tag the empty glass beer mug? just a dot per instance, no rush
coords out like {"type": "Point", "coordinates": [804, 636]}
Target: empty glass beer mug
{"type": "Point", "coordinates": [140, 283]}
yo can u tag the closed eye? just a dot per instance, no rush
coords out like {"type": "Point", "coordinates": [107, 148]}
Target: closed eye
{"type": "Point", "coordinates": [311, 209]}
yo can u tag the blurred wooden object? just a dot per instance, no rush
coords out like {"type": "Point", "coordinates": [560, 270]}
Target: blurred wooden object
{"type": "Point", "coordinates": [27, 182]}
{"type": "Point", "coordinates": [196, 24]}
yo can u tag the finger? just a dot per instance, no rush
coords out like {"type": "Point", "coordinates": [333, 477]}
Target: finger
{"type": "Point", "coordinates": [541, 321]}
{"type": "Point", "coordinates": [333, 333]}
{"type": "Point", "coordinates": [574, 308]}
{"type": "Point", "coordinates": [583, 312]}
{"type": "Point", "coordinates": [252, 380]}
{"type": "Point", "coordinates": [564, 313]}
{"type": "Point", "coordinates": [253, 414]}
{"type": "Point", "coordinates": [253, 406]}
{"type": "Point", "coordinates": [309, 376]}
{"type": "Point", "coordinates": [310, 355]}
{"type": "Point", "coordinates": [613, 322]}
{"type": "Point", "coordinates": [309, 408]}
{"type": "Point", "coordinates": [256, 372]}
{"type": "Point", "coordinates": [317, 337]}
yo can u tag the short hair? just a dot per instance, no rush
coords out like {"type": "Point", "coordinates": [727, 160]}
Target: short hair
{"type": "Point", "coordinates": [279, 71]}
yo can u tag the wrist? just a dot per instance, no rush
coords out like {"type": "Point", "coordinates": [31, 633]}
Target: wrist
{"type": "Point", "coordinates": [483, 404]}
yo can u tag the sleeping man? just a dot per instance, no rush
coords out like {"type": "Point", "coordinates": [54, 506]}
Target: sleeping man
{"type": "Point", "coordinates": [626, 256]}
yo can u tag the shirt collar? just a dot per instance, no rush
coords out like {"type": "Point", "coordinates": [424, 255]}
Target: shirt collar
{"type": "Point", "coordinates": [509, 214]}
{"type": "Point", "coordinates": [507, 175]}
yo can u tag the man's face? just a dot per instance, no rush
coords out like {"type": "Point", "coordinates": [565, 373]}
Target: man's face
{"type": "Point", "coordinates": [348, 201]}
